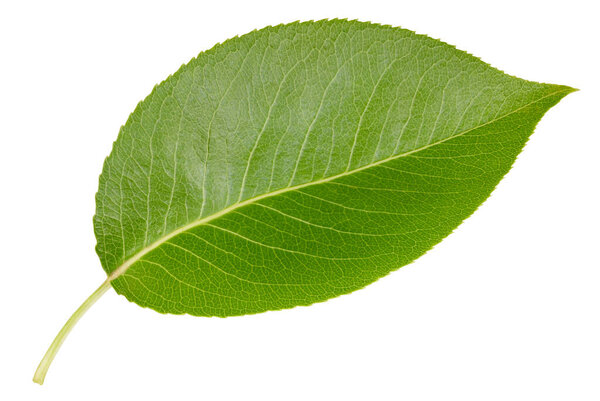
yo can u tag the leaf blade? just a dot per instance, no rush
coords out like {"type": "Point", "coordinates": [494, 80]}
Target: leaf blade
{"type": "Point", "coordinates": [246, 256]}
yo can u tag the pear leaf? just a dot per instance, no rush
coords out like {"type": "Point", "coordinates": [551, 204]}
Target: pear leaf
{"type": "Point", "coordinates": [301, 162]}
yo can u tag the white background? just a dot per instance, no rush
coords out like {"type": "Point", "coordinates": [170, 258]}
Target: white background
{"type": "Point", "coordinates": [506, 308]}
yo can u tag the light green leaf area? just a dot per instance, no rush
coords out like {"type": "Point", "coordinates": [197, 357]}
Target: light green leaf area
{"type": "Point", "coordinates": [303, 161]}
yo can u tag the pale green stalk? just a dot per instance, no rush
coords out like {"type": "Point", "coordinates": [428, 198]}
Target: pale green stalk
{"type": "Point", "coordinates": [42, 369]}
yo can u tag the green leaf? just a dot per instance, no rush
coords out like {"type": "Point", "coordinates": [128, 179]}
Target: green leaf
{"type": "Point", "coordinates": [301, 162]}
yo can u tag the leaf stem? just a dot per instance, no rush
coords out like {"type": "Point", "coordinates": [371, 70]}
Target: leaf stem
{"type": "Point", "coordinates": [42, 369]}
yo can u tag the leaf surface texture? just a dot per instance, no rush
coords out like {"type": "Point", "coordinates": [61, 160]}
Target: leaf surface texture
{"type": "Point", "coordinates": [303, 161]}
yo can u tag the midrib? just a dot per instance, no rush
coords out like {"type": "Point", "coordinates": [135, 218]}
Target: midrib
{"type": "Point", "coordinates": [125, 266]}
